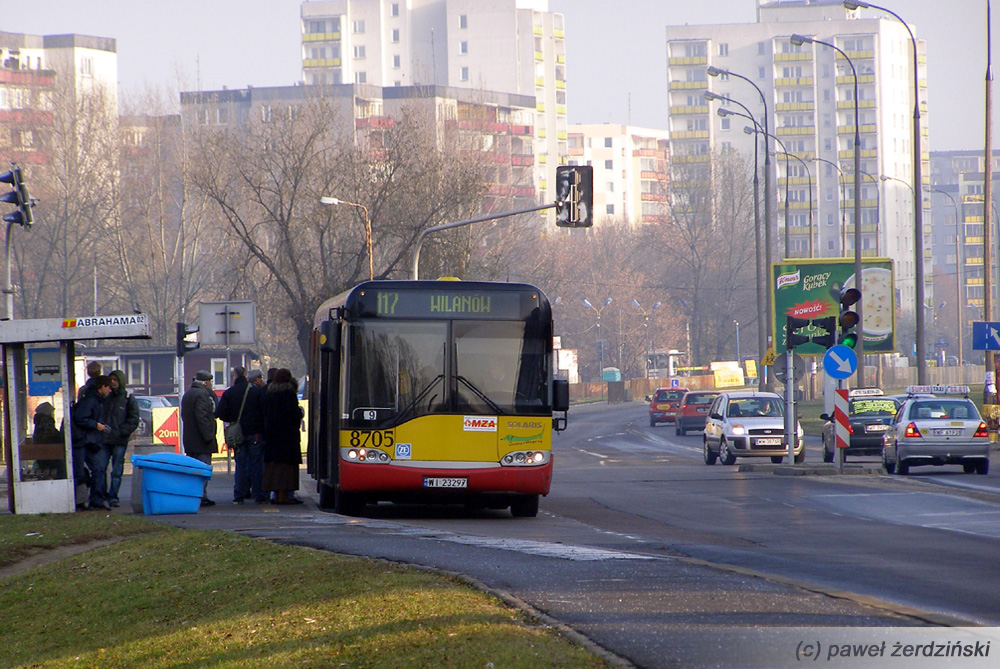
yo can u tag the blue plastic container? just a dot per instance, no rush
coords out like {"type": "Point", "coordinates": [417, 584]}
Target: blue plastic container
{"type": "Point", "coordinates": [171, 482]}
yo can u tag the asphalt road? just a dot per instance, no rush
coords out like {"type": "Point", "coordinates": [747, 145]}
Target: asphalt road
{"type": "Point", "coordinates": [664, 561]}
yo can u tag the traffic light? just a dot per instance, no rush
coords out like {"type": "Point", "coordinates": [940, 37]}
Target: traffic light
{"type": "Point", "coordinates": [18, 197]}
{"type": "Point", "coordinates": [791, 325]}
{"type": "Point", "coordinates": [574, 196]}
{"type": "Point", "coordinates": [829, 324]}
{"type": "Point", "coordinates": [183, 345]}
{"type": "Point", "coordinates": [848, 320]}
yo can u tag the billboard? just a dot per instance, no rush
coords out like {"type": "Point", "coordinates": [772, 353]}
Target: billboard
{"type": "Point", "coordinates": [810, 288]}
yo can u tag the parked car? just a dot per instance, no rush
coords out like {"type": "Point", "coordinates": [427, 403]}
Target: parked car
{"type": "Point", "coordinates": [693, 410]}
{"type": "Point", "coordinates": [748, 424]}
{"type": "Point", "coordinates": [870, 415]}
{"type": "Point", "coordinates": [146, 405]}
{"type": "Point", "coordinates": [663, 405]}
{"type": "Point", "coordinates": [942, 430]}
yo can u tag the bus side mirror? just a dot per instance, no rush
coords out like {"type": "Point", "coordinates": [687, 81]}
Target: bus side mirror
{"type": "Point", "coordinates": [560, 395]}
{"type": "Point", "coordinates": [329, 336]}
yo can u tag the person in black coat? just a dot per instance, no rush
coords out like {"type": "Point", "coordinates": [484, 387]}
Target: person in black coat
{"type": "Point", "coordinates": [244, 401]}
{"type": "Point", "coordinates": [282, 448]}
{"type": "Point", "coordinates": [121, 414]}
{"type": "Point", "coordinates": [199, 426]}
{"type": "Point", "coordinates": [88, 441]}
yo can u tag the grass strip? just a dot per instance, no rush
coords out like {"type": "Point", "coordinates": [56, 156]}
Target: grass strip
{"type": "Point", "coordinates": [166, 597]}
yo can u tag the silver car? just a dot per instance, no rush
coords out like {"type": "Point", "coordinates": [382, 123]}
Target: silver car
{"type": "Point", "coordinates": [748, 424]}
{"type": "Point", "coordinates": [942, 430]}
{"type": "Point", "coordinates": [146, 405]}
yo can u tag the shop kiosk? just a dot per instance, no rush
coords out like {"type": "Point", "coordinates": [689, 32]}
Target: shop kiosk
{"type": "Point", "coordinates": [40, 475]}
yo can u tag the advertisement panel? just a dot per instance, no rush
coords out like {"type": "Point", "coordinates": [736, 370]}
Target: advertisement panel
{"type": "Point", "coordinates": [810, 288]}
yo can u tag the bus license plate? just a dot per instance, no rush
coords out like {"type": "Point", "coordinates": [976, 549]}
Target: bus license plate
{"type": "Point", "coordinates": [439, 482]}
{"type": "Point", "coordinates": [769, 441]}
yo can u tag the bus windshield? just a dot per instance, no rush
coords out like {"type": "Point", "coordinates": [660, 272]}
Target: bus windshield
{"type": "Point", "coordinates": [398, 370]}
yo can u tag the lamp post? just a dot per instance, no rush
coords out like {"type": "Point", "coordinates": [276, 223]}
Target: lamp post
{"type": "Point", "coordinates": [798, 40]}
{"type": "Point", "coordinates": [784, 150]}
{"type": "Point", "coordinates": [645, 327]}
{"type": "Point", "coordinates": [959, 261]}
{"type": "Point", "coordinates": [768, 219]}
{"type": "Point", "coordinates": [739, 358]}
{"type": "Point", "coordinates": [759, 262]}
{"type": "Point", "coordinates": [878, 212]}
{"type": "Point", "coordinates": [600, 347]}
{"type": "Point", "coordinates": [918, 206]}
{"type": "Point", "coordinates": [368, 227]}
{"type": "Point", "coordinates": [805, 166]}
{"type": "Point", "coordinates": [840, 204]}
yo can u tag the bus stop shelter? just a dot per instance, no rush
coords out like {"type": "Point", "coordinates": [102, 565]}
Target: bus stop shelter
{"type": "Point", "coordinates": [38, 357]}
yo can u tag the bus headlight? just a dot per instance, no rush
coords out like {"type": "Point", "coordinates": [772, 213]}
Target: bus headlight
{"type": "Point", "coordinates": [366, 455]}
{"type": "Point", "coordinates": [525, 458]}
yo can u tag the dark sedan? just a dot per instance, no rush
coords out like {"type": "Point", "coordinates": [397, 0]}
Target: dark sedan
{"type": "Point", "coordinates": [870, 418]}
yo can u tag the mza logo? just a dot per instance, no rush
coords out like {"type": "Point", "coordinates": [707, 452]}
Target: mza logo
{"type": "Point", "coordinates": [479, 424]}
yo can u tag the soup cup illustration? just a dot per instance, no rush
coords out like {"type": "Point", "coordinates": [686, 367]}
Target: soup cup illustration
{"type": "Point", "coordinates": [877, 302]}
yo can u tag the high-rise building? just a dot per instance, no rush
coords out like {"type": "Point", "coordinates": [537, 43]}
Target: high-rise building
{"type": "Point", "coordinates": [505, 46]}
{"type": "Point", "coordinates": [30, 67]}
{"type": "Point", "coordinates": [808, 94]}
{"type": "Point", "coordinates": [630, 170]}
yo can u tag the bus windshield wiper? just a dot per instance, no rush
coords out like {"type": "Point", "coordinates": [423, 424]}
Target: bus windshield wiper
{"type": "Point", "coordinates": [479, 393]}
{"type": "Point", "coordinates": [416, 400]}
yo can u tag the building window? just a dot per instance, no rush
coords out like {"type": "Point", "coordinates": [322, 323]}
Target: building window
{"type": "Point", "coordinates": [761, 72]}
{"type": "Point", "coordinates": [463, 21]}
{"type": "Point", "coordinates": [360, 78]}
{"type": "Point", "coordinates": [202, 116]}
{"type": "Point", "coordinates": [464, 74]}
{"type": "Point", "coordinates": [135, 373]}
{"type": "Point", "coordinates": [610, 209]}
{"type": "Point", "coordinates": [396, 62]}
{"type": "Point", "coordinates": [723, 49]}
{"type": "Point", "coordinates": [87, 67]}
{"type": "Point", "coordinates": [359, 51]}
{"type": "Point", "coordinates": [607, 142]}
{"type": "Point", "coordinates": [609, 164]}
{"type": "Point", "coordinates": [222, 116]}
{"type": "Point", "coordinates": [266, 114]}
{"type": "Point", "coordinates": [358, 27]}
{"type": "Point", "coordinates": [316, 27]}
{"type": "Point", "coordinates": [725, 123]}
{"type": "Point", "coordinates": [761, 48]}
{"type": "Point", "coordinates": [610, 188]}
{"type": "Point", "coordinates": [463, 47]}
{"type": "Point", "coordinates": [395, 35]}
{"type": "Point", "coordinates": [218, 366]}
{"type": "Point", "coordinates": [394, 9]}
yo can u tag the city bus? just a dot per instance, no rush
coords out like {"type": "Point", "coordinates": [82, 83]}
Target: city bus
{"type": "Point", "coordinates": [433, 392]}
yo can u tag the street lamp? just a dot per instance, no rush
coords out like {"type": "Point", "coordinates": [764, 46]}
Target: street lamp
{"type": "Point", "coordinates": [840, 205]}
{"type": "Point", "coordinates": [759, 264]}
{"type": "Point", "coordinates": [739, 359]}
{"type": "Point", "coordinates": [368, 227]}
{"type": "Point", "coordinates": [799, 40]}
{"type": "Point", "coordinates": [958, 268]}
{"type": "Point", "coordinates": [600, 348]}
{"type": "Point", "coordinates": [878, 212]}
{"type": "Point", "coordinates": [768, 217]}
{"type": "Point", "coordinates": [918, 206]}
{"type": "Point", "coordinates": [645, 325]}
{"type": "Point", "coordinates": [809, 178]}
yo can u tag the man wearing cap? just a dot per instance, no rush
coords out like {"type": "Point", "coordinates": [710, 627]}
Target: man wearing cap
{"type": "Point", "coordinates": [198, 417]}
{"type": "Point", "coordinates": [244, 402]}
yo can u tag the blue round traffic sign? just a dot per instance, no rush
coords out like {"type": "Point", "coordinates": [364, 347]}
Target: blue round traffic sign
{"type": "Point", "coordinates": [840, 362]}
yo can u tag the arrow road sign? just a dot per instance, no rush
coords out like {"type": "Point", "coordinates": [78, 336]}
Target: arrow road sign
{"type": "Point", "coordinates": [840, 362]}
{"type": "Point", "coordinates": [985, 336]}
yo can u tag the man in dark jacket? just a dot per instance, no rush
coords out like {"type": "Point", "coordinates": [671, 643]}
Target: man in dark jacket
{"type": "Point", "coordinates": [244, 402]}
{"type": "Point", "coordinates": [198, 423]}
{"type": "Point", "coordinates": [121, 415]}
{"type": "Point", "coordinates": [88, 439]}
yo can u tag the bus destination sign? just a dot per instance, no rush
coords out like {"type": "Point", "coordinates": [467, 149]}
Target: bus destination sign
{"type": "Point", "coordinates": [444, 304]}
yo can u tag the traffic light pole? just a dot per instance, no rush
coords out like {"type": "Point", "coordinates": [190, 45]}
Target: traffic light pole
{"type": "Point", "coordinates": [457, 224]}
{"type": "Point", "coordinates": [791, 433]}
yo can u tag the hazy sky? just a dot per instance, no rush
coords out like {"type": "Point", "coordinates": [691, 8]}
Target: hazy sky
{"type": "Point", "coordinates": [615, 62]}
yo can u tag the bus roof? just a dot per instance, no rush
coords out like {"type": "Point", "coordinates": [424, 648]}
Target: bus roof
{"type": "Point", "coordinates": [436, 300]}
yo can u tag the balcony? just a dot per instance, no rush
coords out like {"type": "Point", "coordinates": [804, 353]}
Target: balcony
{"type": "Point", "coordinates": [684, 110]}
{"type": "Point", "coordinates": [849, 129]}
{"type": "Point", "coordinates": [690, 134]}
{"type": "Point", "coordinates": [321, 37]}
{"type": "Point", "coordinates": [688, 85]}
{"type": "Point", "coordinates": [321, 62]}
{"type": "Point", "coordinates": [794, 106]}
{"type": "Point", "coordinates": [862, 79]}
{"type": "Point", "coordinates": [865, 153]}
{"type": "Point", "coordinates": [688, 60]}
{"type": "Point", "coordinates": [793, 81]}
{"type": "Point", "coordinates": [793, 56]}
{"type": "Point", "coordinates": [796, 130]}
{"type": "Point", "coordinates": [862, 104]}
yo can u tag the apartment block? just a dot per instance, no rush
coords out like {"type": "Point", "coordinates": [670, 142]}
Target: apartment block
{"type": "Point", "coordinates": [630, 170]}
{"type": "Point", "coordinates": [30, 67]}
{"type": "Point", "coordinates": [809, 105]}
{"type": "Point", "coordinates": [509, 46]}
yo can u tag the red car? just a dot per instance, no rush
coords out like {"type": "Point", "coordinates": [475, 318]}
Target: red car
{"type": "Point", "coordinates": [694, 410]}
{"type": "Point", "coordinates": [663, 405]}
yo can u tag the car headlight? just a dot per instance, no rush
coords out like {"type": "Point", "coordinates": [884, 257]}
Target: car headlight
{"type": "Point", "coordinates": [738, 429]}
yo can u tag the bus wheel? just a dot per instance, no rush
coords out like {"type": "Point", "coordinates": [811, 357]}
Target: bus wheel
{"type": "Point", "coordinates": [327, 496]}
{"type": "Point", "coordinates": [525, 506]}
{"type": "Point", "coordinates": [348, 504]}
